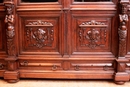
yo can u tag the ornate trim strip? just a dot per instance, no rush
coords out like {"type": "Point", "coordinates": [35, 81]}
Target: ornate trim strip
{"type": "Point", "coordinates": [39, 23]}
{"type": "Point", "coordinates": [93, 23]}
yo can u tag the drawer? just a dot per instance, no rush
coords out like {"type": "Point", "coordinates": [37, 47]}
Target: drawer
{"type": "Point", "coordinates": [40, 65]}
{"type": "Point", "coordinates": [105, 66]}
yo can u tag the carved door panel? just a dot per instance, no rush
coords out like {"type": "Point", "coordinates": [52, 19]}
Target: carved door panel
{"type": "Point", "coordinates": [40, 35]}
{"type": "Point", "coordinates": [93, 36]}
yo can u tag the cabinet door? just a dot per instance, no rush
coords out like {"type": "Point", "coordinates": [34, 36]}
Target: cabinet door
{"type": "Point", "coordinates": [40, 34]}
{"type": "Point", "coordinates": [94, 29]}
{"type": "Point", "coordinates": [40, 29]}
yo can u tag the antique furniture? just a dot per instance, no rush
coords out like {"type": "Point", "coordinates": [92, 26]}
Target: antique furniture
{"type": "Point", "coordinates": [65, 39]}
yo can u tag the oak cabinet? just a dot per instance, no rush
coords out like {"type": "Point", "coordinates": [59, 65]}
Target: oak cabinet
{"type": "Point", "coordinates": [64, 39]}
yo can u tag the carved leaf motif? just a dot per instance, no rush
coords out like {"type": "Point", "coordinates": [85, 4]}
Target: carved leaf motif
{"type": "Point", "coordinates": [93, 22]}
{"type": "Point", "coordinates": [39, 22]}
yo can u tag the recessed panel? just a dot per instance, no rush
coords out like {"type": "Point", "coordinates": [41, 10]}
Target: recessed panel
{"type": "Point", "coordinates": [92, 35]}
{"type": "Point", "coordinates": [40, 35]}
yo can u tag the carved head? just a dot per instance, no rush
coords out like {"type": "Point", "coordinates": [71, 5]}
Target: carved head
{"type": "Point", "coordinates": [124, 8]}
{"type": "Point", "coordinates": [9, 9]}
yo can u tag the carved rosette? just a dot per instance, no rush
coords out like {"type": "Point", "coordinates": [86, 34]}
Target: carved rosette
{"type": "Point", "coordinates": [122, 31]}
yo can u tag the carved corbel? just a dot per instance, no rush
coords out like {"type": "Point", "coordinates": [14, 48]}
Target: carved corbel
{"type": "Point", "coordinates": [121, 76]}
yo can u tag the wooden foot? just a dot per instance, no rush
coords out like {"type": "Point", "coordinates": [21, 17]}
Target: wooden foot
{"type": "Point", "coordinates": [119, 82]}
{"type": "Point", "coordinates": [11, 76]}
{"type": "Point", "coordinates": [12, 81]}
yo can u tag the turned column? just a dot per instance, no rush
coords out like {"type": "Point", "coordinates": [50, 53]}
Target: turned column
{"type": "Point", "coordinates": [11, 74]}
{"type": "Point", "coordinates": [121, 75]}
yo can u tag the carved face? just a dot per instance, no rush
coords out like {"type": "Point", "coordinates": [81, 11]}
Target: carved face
{"type": "Point", "coordinates": [124, 8]}
{"type": "Point", "coordinates": [9, 9]}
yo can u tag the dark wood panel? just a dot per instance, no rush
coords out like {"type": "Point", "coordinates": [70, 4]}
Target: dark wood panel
{"type": "Point", "coordinates": [41, 34]}
{"type": "Point", "coordinates": [92, 35]}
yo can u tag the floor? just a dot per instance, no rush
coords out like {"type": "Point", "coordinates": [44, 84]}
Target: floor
{"type": "Point", "coordinates": [62, 83]}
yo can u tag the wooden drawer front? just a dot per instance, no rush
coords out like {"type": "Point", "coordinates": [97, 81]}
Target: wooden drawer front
{"type": "Point", "coordinates": [2, 65]}
{"type": "Point", "coordinates": [42, 65]}
{"type": "Point", "coordinates": [92, 66]}
{"type": "Point", "coordinates": [39, 34]}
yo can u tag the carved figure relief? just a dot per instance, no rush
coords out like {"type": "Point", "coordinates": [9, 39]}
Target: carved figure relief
{"type": "Point", "coordinates": [41, 36]}
{"type": "Point", "coordinates": [9, 20]}
{"type": "Point", "coordinates": [123, 30]}
{"type": "Point", "coordinates": [92, 37]}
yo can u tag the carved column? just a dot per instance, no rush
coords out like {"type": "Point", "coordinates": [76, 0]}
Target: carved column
{"type": "Point", "coordinates": [11, 75]}
{"type": "Point", "coordinates": [121, 76]}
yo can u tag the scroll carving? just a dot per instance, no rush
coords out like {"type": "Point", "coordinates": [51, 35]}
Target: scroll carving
{"type": "Point", "coordinates": [10, 32]}
{"type": "Point", "coordinates": [123, 29]}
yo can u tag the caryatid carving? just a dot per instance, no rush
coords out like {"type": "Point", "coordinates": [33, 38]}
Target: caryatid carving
{"type": "Point", "coordinates": [123, 30]}
{"type": "Point", "coordinates": [9, 20]}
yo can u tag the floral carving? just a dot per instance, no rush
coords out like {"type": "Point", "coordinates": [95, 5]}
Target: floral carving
{"type": "Point", "coordinates": [40, 22]}
{"type": "Point", "coordinates": [93, 22]}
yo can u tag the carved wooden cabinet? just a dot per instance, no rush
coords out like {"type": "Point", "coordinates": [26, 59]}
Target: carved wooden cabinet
{"type": "Point", "coordinates": [65, 39]}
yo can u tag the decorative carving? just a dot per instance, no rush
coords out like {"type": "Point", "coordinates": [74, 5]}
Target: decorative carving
{"type": "Point", "coordinates": [93, 36]}
{"type": "Point", "coordinates": [123, 29]}
{"type": "Point", "coordinates": [93, 22]}
{"type": "Point", "coordinates": [9, 20]}
{"type": "Point", "coordinates": [40, 37]}
{"type": "Point", "coordinates": [40, 22]}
